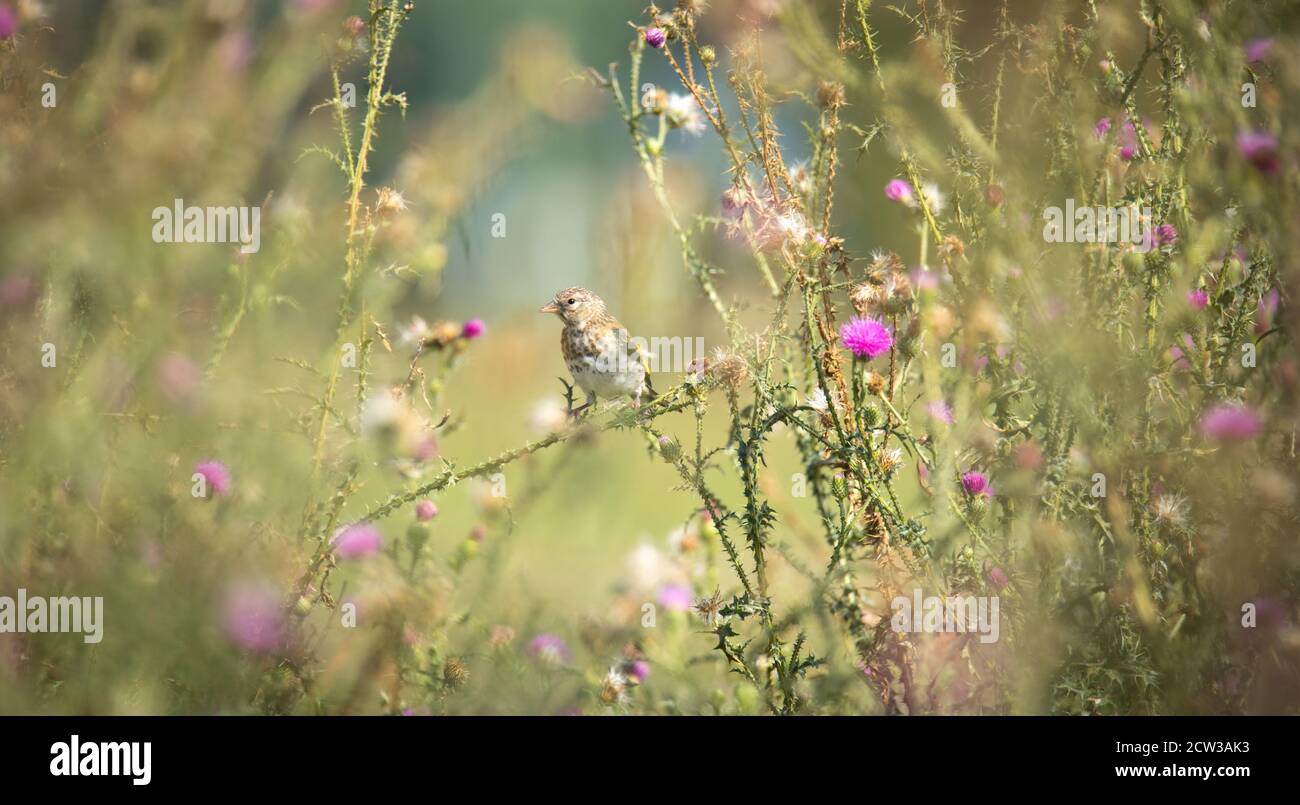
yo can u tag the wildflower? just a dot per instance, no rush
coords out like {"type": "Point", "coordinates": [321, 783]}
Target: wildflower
{"type": "Point", "coordinates": [1166, 235]}
{"type": "Point", "coordinates": [1266, 311]}
{"type": "Point", "coordinates": [710, 609]}
{"type": "Point", "coordinates": [994, 195]}
{"type": "Point", "coordinates": [1101, 129]}
{"type": "Point", "coordinates": [178, 377]}
{"type": "Point", "coordinates": [934, 197]}
{"type": "Point", "coordinates": [1257, 50]}
{"type": "Point", "coordinates": [684, 112]}
{"type": "Point", "coordinates": [637, 670]}
{"type": "Point", "coordinates": [216, 475]}
{"type": "Point", "coordinates": [940, 410]}
{"type": "Point", "coordinates": [998, 577]}
{"type": "Point", "coordinates": [415, 332]}
{"type": "Point", "coordinates": [655, 37]}
{"type": "Point", "coordinates": [1230, 422]}
{"type": "Point", "coordinates": [899, 190]}
{"type": "Point", "coordinates": [1028, 456]}
{"type": "Point", "coordinates": [454, 673]}
{"type": "Point", "coordinates": [792, 227]}
{"type": "Point", "coordinates": [613, 688]}
{"type": "Point", "coordinates": [356, 541]}
{"type": "Point", "coordinates": [728, 369]}
{"type": "Point", "coordinates": [866, 337]}
{"type": "Point", "coordinates": [876, 383]}
{"type": "Point", "coordinates": [389, 202]}
{"type": "Point", "coordinates": [1198, 298]}
{"type": "Point", "coordinates": [976, 484]}
{"type": "Point", "coordinates": [252, 617]}
{"type": "Point", "coordinates": [675, 597]}
{"type": "Point", "coordinates": [1260, 150]}
{"type": "Point", "coordinates": [473, 329]}
{"type": "Point", "coordinates": [549, 649]}
{"type": "Point", "coordinates": [501, 636]}
{"type": "Point", "coordinates": [425, 511]}
{"type": "Point", "coordinates": [1170, 509]}
{"type": "Point", "coordinates": [669, 448]}
{"type": "Point", "coordinates": [8, 21]}
{"type": "Point", "coordinates": [890, 460]}
{"type": "Point", "coordinates": [733, 203]}
{"type": "Point", "coordinates": [817, 401]}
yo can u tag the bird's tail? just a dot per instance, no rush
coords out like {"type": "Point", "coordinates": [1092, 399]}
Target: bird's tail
{"type": "Point", "coordinates": [650, 389]}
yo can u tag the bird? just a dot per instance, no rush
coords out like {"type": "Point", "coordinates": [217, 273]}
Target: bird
{"type": "Point", "coordinates": [603, 360]}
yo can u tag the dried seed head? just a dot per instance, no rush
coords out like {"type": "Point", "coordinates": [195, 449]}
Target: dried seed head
{"type": "Point", "coordinates": [389, 202]}
{"type": "Point", "coordinates": [830, 94]}
{"type": "Point", "coordinates": [875, 383]}
{"type": "Point", "coordinates": [454, 673]}
{"type": "Point", "coordinates": [728, 369]}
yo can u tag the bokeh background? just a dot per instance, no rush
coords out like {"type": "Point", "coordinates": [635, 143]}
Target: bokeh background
{"type": "Point", "coordinates": [169, 355]}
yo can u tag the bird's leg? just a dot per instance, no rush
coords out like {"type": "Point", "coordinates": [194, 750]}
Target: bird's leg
{"type": "Point", "coordinates": [591, 400]}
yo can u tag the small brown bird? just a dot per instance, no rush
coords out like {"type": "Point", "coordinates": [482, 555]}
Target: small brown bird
{"type": "Point", "coordinates": [603, 360]}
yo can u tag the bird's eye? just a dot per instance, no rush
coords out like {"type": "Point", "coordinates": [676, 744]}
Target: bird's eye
{"type": "Point", "coordinates": [573, 301]}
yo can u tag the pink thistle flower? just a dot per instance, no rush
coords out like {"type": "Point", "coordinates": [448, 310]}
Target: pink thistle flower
{"type": "Point", "coordinates": [178, 377]}
{"type": "Point", "coordinates": [655, 37]}
{"type": "Point", "coordinates": [1127, 152]}
{"type": "Point", "coordinates": [866, 337]}
{"type": "Point", "coordinates": [899, 190]}
{"type": "Point", "coordinates": [1198, 298]}
{"type": "Point", "coordinates": [549, 648]}
{"type": "Point", "coordinates": [638, 670]}
{"type": "Point", "coordinates": [675, 597]}
{"type": "Point", "coordinates": [1028, 456]}
{"type": "Point", "coordinates": [216, 475]}
{"type": "Point", "coordinates": [940, 410]}
{"type": "Point", "coordinates": [976, 483]}
{"type": "Point", "coordinates": [425, 511]}
{"type": "Point", "coordinates": [1257, 50]}
{"type": "Point", "coordinates": [1266, 311]}
{"type": "Point", "coordinates": [1260, 150]}
{"type": "Point", "coordinates": [1166, 235]}
{"type": "Point", "coordinates": [356, 541]}
{"type": "Point", "coordinates": [253, 619]}
{"type": "Point", "coordinates": [8, 21]}
{"type": "Point", "coordinates": [16, 290]}
{"type": "Point", "coordinates": [473, 329]}
{"type": "Point", "coordinates": [1101, 129]}
{"type": "Point", "coordinates": [999, 578]}
{"type": "Point", "coordinates": [1225, 422]}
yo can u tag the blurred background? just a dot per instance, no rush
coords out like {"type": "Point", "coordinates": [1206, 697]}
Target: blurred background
{"type": "Point", "coordinates": [516, 179]}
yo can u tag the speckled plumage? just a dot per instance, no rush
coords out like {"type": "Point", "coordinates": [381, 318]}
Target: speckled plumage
{"type": "Point", "coordinates": [597, 350]}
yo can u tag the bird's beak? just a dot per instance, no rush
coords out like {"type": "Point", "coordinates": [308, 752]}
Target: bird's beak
{"type": "Point", "coordinates": [549, 308]}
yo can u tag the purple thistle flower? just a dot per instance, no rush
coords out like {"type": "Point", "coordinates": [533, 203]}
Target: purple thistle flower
{"type": "Point", "coordinates": [940, 410]}
{"type": "Point", "coordinates": [356, 541]}
{"type": "Point", "coordinates": [976, 483]}
{"type": "Point", "coordinates": [1266, 311]}
{"type": "Point", "coordinates": [998, 577]}
{"type": "Point", "coordinates": [1257, 50]}
{"type": "Point", "coordinates": [899, 190]}
{"type": "Point", "coordinates": [638, 670]}
{"type": "Point", "coordinates": [675, 597]}
{"type": "Point", "coordinates": [425, 511]}
{"type": "Point", "coordinates": [1166, 235]}
{"type": "Point", "coordinates": [473, 329]}
{"type": "Point", "coordinates": [866, 337]}
{"type": "Point", "coordinates": [1226, 422]}
{"type": "Point", "coordinates": [549, 648]}
{"type": "Point", "coordinates": [216, 475]}
{"type": "Point", "coordinates": [1198, 298]}
{"type": "Point", "coordinates": [1260, 150]}
{"type": "Point", "coordinates": [8, 21]}
{"type": "Point", "coordinates": [655, 37]}
{"type": "Point", "coordinates": [1101, 129]}
{"type": "Point", "coordinates": [1127, 152]}
{"type": "Point", "coordinates": [252, 617]}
